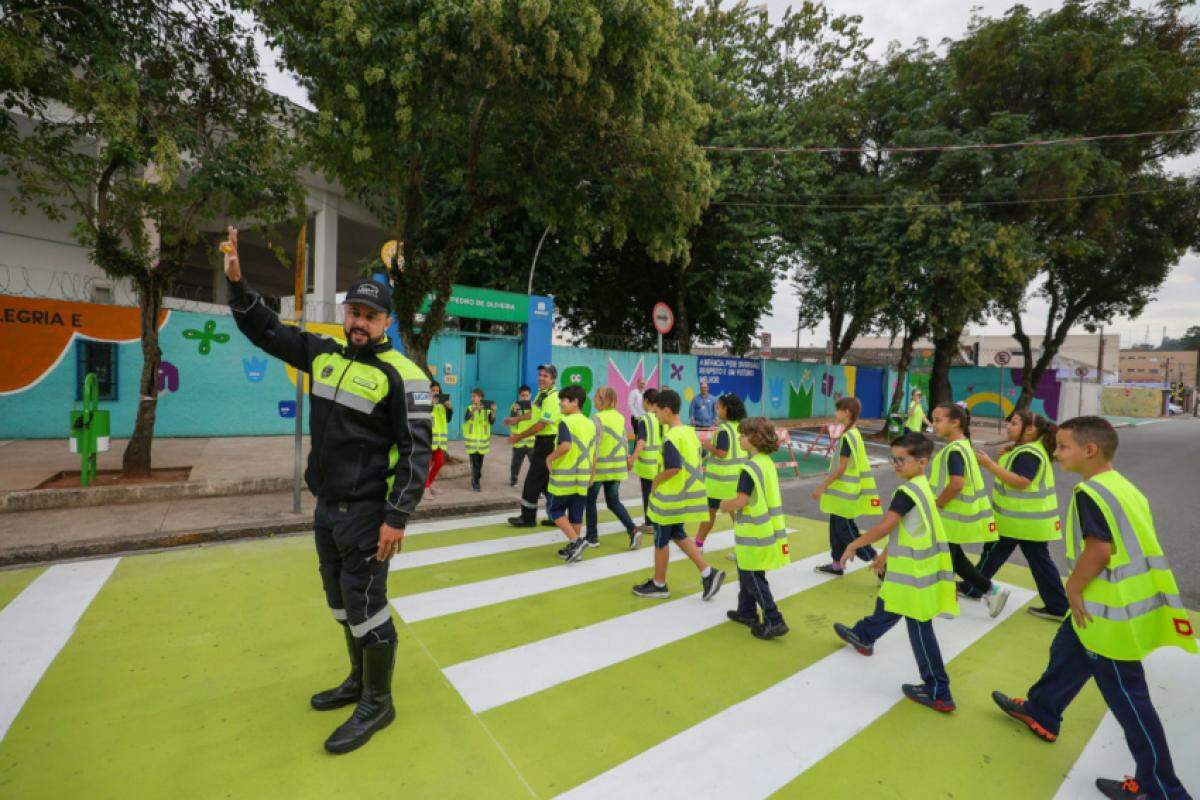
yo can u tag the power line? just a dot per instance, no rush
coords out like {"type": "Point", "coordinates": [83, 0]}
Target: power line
{"type": "Point", "coordinates": [967, 204]}
{"type": "Point", "coordinates": [942, 148]}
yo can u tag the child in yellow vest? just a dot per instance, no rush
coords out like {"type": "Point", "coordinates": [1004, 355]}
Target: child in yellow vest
{"type": "Point", "coordinates": [611, 464]}
{"type": "Point", "coordinates": [760, 533]}
{"type": "Point", "coordinates": [848, 491]}
{"type": "Point", "coordinates": [516, 422]}
{"type": "Point", "coordinates": [963, 503]}
{"type": "Point", "coordinates": [1124, 605]}
{"type": "Point", "coordinates": [725, 459]}
{"type": "Point", "coordinates": [477, 434]}
{"type": "Point", "coordinates": [918, 583]}
{"type": "Point", "coordinates": [571, 470]}
{"type": "Point", "coordinates": [677, 496]}
{"type": "Point", "coordinates": [646, 458]}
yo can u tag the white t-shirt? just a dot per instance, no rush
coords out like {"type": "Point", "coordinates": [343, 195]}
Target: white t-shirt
{"type": "Point", "coordinates": [635, 403]}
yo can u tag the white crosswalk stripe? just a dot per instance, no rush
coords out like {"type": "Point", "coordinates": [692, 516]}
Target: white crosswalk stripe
{"type": "Point", "coordinates": [765, 731]}
{"type": "Point", "coordinates": [466, 523]}
{"type": "Point", "coordinates": [489, 547]}
{"type": "Point", "coordinates": [451, 600]}
{"type": "Point", "coordinates": [36, 625]}
{"type": "Point", "coordinates": [503, 677]}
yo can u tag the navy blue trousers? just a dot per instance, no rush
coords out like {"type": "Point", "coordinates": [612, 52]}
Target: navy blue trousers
{"type": "Point", "coordinates": [924, 645]}
{"type": "Point", "coordinates": [1045, 574]}
{"type": "Point", "coordinates": [1123, 685]}
{"type": "Point", "coordinates": [754, 593]}
{"type": "Point", "coordinates": [843, 531]}
{"type": "Point", "coordinates": [612, 499]}
{"type": "Point", "coordinates": [519, 454]}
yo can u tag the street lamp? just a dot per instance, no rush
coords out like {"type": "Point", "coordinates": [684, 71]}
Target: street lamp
{"type": "Point", "coordinates": [533, 265]}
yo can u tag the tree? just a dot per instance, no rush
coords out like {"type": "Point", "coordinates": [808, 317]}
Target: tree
{"type": "Point", "coordinates": [141, 138]}
{"type": "Point", "coordinates": [444, 116]}
{"type": "Point", "coordinates": [1107, 222]}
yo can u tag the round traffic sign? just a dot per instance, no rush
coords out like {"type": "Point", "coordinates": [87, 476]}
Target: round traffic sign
{"type": "Point", "coordinates": [664, 318]}
{"type": "Point", "coordinates": [1081, 372]}
{"type": "Point", "coordinates": [390, 252]}
{"type": "Point", "coordinates": [1003, 357]}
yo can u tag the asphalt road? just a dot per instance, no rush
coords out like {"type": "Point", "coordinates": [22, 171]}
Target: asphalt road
{"type": "Point", "coordinates": [1161, 458]}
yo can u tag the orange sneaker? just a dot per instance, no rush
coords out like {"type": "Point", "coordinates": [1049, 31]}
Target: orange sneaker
{"type": "Point", "coordinates": [1015, 708]}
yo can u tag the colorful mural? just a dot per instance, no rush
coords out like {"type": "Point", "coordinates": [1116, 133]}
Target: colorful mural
{"type": "Point", "coordinates": [993, 391]}
{"type": "Point", "coordinates": [1132, 401]}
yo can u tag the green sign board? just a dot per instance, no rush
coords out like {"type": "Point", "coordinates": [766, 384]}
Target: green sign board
{"type": "Point", "coordinates": [474, 303]}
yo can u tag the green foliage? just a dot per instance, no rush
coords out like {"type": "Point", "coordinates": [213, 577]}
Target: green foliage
{"type": "Point", "coordinates": [444, 116]}
{"type": "Point", "coordinates": [1189, 341]}
{"type": "Point", "coordinates": [140, 121]}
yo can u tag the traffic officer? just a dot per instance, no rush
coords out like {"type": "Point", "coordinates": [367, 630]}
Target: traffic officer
{"type": "Point", "coordinates": [544, 414]}
{"type": "Point", "coordinates": [370, 422]}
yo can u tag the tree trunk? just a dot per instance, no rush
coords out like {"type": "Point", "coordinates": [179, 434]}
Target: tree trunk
{"type": "Point", "coordinates": [136, 460]}
{"type": "Point", "coordinates": [1026, 397]}
{"type": "Point", "coordinates": [683, 327]}
{"type": "Point", "coordinates": [906, 350]}
{"type": "Point", "coordinates": [944, 348]}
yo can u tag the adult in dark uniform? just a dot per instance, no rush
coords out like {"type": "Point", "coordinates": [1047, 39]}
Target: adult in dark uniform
{"type": "Point", "coordinates": [544, 415]}
{"type": "Point", "coordinates": [370, 423]}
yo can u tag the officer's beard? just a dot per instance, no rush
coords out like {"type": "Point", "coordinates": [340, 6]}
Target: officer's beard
{"type": "Point", "coordinates": [363, 336]}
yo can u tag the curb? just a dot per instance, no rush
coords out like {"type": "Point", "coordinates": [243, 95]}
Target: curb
{"type": "Point", "coordinates": [47, 499]}
{"type": "Point", "coordinates": [157, 540]}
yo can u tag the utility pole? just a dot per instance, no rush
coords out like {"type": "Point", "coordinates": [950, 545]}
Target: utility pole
{"type": "Point", "coordinates": [1100, 360]}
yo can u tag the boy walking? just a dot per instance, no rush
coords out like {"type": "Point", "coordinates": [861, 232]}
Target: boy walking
{"type": "Point", "coordinates": [646, 459]}
{"type": "Point", "coordinates": [1124, 603]}
{"type": "Point", "coordinates": [571, 469]}
{"type": "Point", "coordinates": [760, 532]}
{"type": "Point", "coordinates": [477, 434]}
{"type": "Point", "coordinates": [918, 576]}
{"type": "Point", "coordinates": [522, 448]}
{"type": "Point", "coordinates": [848, 491]}
{"type": "Point", "coordinates": [677, 496]}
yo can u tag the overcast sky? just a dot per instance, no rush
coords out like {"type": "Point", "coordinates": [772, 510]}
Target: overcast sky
{"type": "Point", "coordinates": [1178, 303]}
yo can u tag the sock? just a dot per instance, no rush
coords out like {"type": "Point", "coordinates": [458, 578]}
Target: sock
{"type": "Point", "coordinates": [704, 573]}
{"type": "Point", "coordinates": [662, 585]}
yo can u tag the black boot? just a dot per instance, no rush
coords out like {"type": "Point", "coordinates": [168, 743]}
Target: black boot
{"type": "Point", "coordinates": [374, 710]}
{"type": "Point", "coordinates": [351, 688]}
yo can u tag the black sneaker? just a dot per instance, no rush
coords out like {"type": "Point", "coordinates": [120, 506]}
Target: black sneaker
{"type": "Point", "coordinates": [1041, 613]}
{"type": "Point", "coordinates": [575, 550]}
{"type": "Point", "coordinates": [635, 538]}
{"type": "Point", "coordinates": [562, 551]}
{"type": "Point", "coordinates": [521, 522]}
{"type": "Point", "coordinates": [548, 523]}
{"type": "Point", "coordinates": [1015, 708]}
{"type": "Point", "coordinates": [712, 584]}
{"type": "Point", "coordinates": [919, 694]}
{"type": "Point", "coordinates": [750, 622]}
{"type": "Point", "coordinates": [829, 569]}
{"type": "Point", "coordinates": [847, 636]}
{"type": "Point", "coordinates": [649, 589]}
{"type": "Point", "coordinates": [593, 542]}
{"type": "Point", "coordinates": [769, 631]}
{"type": "Point", "coordinates": [1127, 789]}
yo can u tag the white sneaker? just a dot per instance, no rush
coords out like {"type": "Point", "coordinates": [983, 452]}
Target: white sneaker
{"type": "Point", "coordinates": [996, 599]}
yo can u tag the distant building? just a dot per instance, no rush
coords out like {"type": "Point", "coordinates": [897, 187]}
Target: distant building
{"type": "Point", "coordinates": [1159, 367]}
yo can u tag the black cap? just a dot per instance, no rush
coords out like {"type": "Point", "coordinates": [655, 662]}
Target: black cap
{"type": "Point", "coordinates": [367, 292]}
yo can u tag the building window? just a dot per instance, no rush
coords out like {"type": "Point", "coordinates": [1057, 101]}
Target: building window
{"type": "Point", "coordinates": [100, 358]}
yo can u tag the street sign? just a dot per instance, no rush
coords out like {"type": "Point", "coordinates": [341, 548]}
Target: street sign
{"type": "Point", "coordinates": [664, 318]}
{"type": "Point", "coordinates": [764, 347]}
{"type": "Point", "coordinates": [1081, 372]}
{"type": "Point", "coordinates": [389, 253]}
{"type": "Point", "coordinates": [1002, 357]}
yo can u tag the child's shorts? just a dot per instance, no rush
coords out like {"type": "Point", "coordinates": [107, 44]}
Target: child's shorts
{"type": "Point", "coordinates": [570, 504]}
{"type": "Point", "coordinates": [663, 534]}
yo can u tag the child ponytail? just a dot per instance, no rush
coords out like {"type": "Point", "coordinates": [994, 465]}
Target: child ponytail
{"type": "Point", "coordinates": [1046, 431]}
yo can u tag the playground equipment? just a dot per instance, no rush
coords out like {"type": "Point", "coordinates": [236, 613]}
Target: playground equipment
{"type": "Point", "coordinates": [89, 429]}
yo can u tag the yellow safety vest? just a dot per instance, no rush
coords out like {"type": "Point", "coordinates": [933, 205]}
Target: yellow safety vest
{"type": "Point", "coordinates": [721, 474]}
{"type": "Point", "coordinates": [1031, 513]}
{"type": "Point", "coordinates": [571, 473]}
{"type": "Point", "coordinates": [611, 455]}
{"type": "Point", "coordinates": [968, 517]}
{"type": "Point", "coordinates": [441, 427]}
{"type": "Point", "coordinates": [520, 427]}
{"type": "Point", "coordinates": [681, 498]}
{"type": "Point", "coordinates": [649, 461]}
{"type": "Point", "coordinates": [547, 409]}
{"type": "Point", "coordinates": [919, 582]}
{"type": "Point", "coordinates": [759, 529]}
{"type": "Point", "coordinates": [854, 493]}
{"type": "Point", "coordinates": [1134, 601]}
{"type": "Point", "coordinates": [477, 430]}
{"type": "Point", "coordinates": [915, 416]}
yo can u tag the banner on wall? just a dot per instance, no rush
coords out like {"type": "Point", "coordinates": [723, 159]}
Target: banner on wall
{"type": "Point", "coordinates": [740, 376]}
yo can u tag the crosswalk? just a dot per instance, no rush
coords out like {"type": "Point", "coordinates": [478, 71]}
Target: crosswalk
{"type": "Point", "coordinates": [554, 680]}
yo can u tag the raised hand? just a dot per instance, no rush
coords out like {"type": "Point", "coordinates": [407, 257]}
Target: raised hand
{"type": "Point", "coordinates": [233, 267]}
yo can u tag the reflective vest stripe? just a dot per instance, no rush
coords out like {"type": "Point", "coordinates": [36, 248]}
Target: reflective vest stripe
{"type": "Point", "coordinates": [343, 398]}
